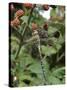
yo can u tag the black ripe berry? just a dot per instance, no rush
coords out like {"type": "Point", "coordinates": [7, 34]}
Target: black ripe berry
{"type": "Point", "coordinates": [53, 6]}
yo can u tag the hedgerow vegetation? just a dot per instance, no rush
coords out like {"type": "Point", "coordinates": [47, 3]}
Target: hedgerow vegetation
{"type": "Point", "coordinates": [37, 45]}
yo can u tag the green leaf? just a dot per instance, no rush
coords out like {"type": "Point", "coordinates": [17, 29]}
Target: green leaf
{"type": "Point", "coordinates": [51, 30]}
{"type": "Point", "coordinates": [15, 39]}
{"type": "Point", "coordinates": [53, 13]}
{"type": "Point", "coordinates": [59, 73]}
{"type": "Point", "coordinates": [24, 18]}
{"type": "Point", "coordinates": [48, 50]}
{"type": "Point", "coordinates": [35, 67]}
{"type": "Point", "coordinates": [53, 80]}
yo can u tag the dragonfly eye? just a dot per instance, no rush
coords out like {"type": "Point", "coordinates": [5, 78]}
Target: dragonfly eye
{"type": "Point", "coordinates": [57, 34]}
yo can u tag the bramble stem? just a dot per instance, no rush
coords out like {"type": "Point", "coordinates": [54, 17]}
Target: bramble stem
{"type": "Point", "coordinates": [23, 33]}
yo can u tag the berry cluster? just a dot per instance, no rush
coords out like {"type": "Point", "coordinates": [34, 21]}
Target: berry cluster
{"type": "Point", "coordinates": [17, 10]}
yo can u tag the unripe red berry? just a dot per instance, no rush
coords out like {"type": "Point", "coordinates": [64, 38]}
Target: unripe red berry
{"type": "Point", "coordinates": [46, 7]}
{"type": "Point", "coordinates": [45, 26]}
{"type": "Point", "coordinates": [15, 22]}
{"type": "Point", "coordinates": [19, 13]}
{"type": "Point", "coordinates": [28, 5]}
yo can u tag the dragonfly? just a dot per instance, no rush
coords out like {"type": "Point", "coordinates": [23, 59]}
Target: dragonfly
{"type": "Point", "coordinates": [36, 42]}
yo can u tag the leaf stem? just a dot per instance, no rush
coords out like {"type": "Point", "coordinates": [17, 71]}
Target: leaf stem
{"type": "Point", "coordinates": [59, 58]}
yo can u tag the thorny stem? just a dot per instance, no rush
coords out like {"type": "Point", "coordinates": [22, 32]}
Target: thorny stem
{"type": "Point", "coordinates": [24, 32]}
